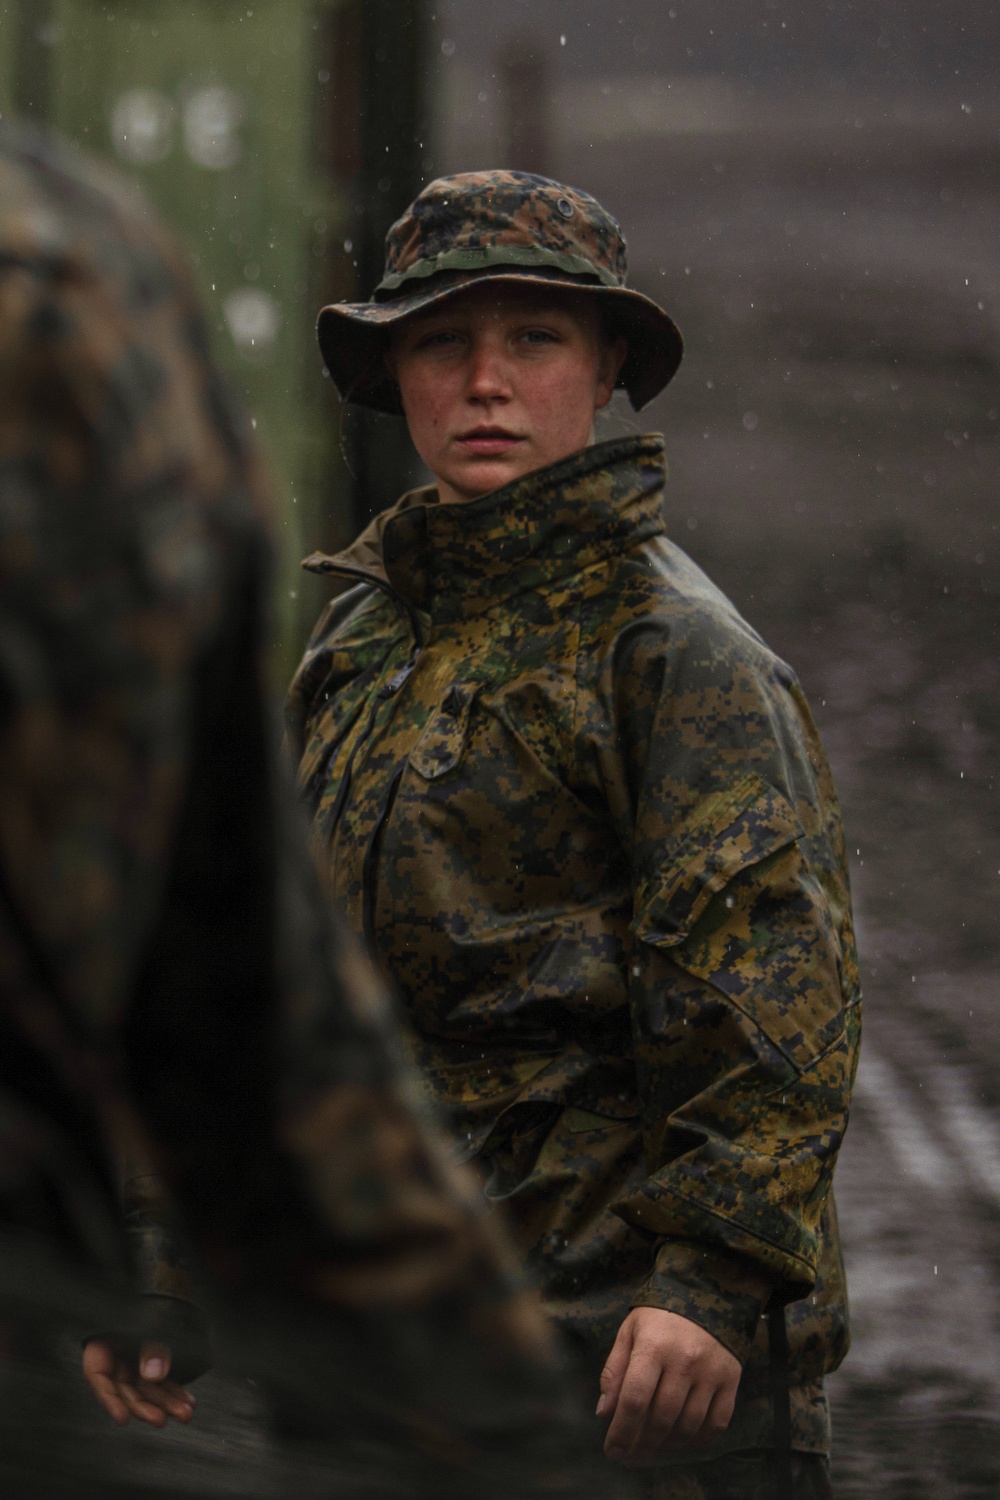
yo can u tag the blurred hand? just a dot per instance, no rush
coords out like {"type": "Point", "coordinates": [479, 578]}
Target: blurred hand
{"type": "Point", "coordinates": [124, 1392]}
{"type": "Point", "coordinates": [667, 1385]}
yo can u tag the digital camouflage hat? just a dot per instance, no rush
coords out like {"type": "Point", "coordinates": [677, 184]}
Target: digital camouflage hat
{"type": "Point", "coordinates": [484, 225]}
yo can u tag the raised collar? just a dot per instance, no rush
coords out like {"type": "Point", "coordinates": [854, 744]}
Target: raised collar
{"type": "Point", "coordinates": [455, 561]}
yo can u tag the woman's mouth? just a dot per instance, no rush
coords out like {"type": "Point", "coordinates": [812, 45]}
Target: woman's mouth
{"type": "Point", "coordinates": [488, 442]}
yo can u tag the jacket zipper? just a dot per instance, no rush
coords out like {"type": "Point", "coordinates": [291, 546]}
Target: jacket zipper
{"type": "Point", "coordinates": [369, 869]}
{"type": "Point", "coordinates": [369, 881]}
{"type": "Point", "coordinates": [388, 689]}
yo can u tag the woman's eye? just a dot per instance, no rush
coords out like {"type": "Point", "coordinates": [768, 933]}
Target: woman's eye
{"type": "Point", "coordinates": [441, 338]}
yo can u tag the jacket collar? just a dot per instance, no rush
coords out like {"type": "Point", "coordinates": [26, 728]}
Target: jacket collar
{"type": "Point", "coordinates": [455, 561]}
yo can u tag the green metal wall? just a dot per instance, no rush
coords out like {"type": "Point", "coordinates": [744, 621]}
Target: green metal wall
{"type": "Point", "coordinates": [248, 124]}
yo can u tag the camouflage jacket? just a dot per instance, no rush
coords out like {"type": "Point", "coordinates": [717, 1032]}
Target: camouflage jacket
{"type": "Point", "coordinates": [171, 990]}
{"type": "Point", "coordinates": [582, 812]}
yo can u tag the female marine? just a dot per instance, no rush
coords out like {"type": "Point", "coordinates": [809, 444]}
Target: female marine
{"type": "Point", "coordinates": [581, 812]}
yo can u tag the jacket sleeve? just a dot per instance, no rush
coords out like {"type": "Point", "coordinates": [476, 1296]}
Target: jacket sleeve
{"type": "Point", "coordinates": [743, 980]}
{"type": "Point", "coordinates": [164, 1276]}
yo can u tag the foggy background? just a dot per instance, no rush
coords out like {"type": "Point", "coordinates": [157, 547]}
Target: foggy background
{"type": "Point", "coordinates": [813, 192]}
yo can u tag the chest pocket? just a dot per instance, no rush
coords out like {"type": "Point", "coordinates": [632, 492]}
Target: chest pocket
{"type": "Point", "coordinates": [442, 741]}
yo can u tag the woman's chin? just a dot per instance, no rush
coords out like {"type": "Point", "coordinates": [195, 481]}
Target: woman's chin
{"type": "Point", "coordinates": [479, 477]}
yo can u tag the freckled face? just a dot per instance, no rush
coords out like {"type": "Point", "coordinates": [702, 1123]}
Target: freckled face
{"type": "Point", "coordinates": [501, 380]}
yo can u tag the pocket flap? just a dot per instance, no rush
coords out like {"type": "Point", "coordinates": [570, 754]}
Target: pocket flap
{"type": "Point", "coordinates": [442, 740]}
{"type": "Point", "coordinates": [727, 833]}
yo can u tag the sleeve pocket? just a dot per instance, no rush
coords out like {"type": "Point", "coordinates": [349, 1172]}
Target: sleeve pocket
{"type": "Point", "coordinates": [729, 832]}
{"type": "Point", "coordinates": [771, 949]}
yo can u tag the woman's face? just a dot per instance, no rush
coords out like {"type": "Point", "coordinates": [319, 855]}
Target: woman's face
{"type": "Point", "coordinates": [501, 380]}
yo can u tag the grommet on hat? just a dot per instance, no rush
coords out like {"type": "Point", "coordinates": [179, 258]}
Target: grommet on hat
{"type": "Point", "coordinates": [480, 226]}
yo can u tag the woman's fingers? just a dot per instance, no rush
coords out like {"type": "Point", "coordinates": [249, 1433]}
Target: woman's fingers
{"type": "Point", "coordinates": [720, 1413]}
{"type": "Point", "coordinates": [665, 1410]}
{"type": "Point", "coordinates": [123, 1394]}
{"type": "Point", "coordinates": [178, 1402]}
{"type": "Point", "coordinates": [146, 1410]}
{"type": "Point", "coordinates": [154, 1367]}
{"type": "Point", "coordinates": [153, 1402]}
{"type": "Point", "coordinates": [154, 1361]}
{"type": "Point", "coordinates": [614, 1370]}
{"type": "Point", "coordinates": [99, 1366]}
{"type": "Point", "coordinates": [169, 1397]}
{"type": "Point", "coordinates": [677, 1389]}
{"type": "Point", "coordinates": [638, 1388]}
{"type": "Point", "coordinates": [687, 1429]}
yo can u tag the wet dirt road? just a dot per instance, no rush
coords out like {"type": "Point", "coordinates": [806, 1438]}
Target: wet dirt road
{"type": "Point", "coordinates": [917, 1405]}
{"type": "Point", "coordinates": [833, 444]}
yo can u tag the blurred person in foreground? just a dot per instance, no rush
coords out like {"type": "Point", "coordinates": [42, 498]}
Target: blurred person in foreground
{"type": "Point", "coordinates": [582, 812]}
{"type": "Point", "coordinates": [170, 992]}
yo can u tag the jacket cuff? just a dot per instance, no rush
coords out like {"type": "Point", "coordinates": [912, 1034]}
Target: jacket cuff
{"type": "Point", "coordinates": [158, 1249]}
{"type": "Point", "coordinates": [720, 1291]}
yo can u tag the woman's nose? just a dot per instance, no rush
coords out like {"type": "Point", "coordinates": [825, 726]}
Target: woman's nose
{"type": "Point", "coordinates": [488, 373]}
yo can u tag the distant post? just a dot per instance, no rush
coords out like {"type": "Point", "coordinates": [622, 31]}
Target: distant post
{"type": "Point", "coordinates": [526, 79]}
{"type": "Point", "coordinates": [376, 147]}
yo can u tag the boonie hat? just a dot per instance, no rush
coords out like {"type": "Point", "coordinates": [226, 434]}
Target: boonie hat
{"type": "Point", "coordinates": [512, 226]}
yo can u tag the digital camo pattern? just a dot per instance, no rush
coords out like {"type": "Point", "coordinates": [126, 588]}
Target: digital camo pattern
{"type": "Point", "coordinates": [480, 210]}
{"type": "Point", "coordinates": [582, 812]}
{"type": "Point", "coordinates": [742, 1476]}
{"type": "Point", "coordinates": [171, 993]}
{"type": "Point", "coordinates": [460, 230]}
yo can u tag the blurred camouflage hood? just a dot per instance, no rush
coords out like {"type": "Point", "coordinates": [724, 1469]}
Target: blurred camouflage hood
{"type": "Point", "coordinates": [476, 226]}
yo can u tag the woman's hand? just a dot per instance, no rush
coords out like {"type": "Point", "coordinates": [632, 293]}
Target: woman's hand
{"type": "Point", "coordinates": [123, 1392]}
{"type": "Point", "coordinates": [667, 1384]}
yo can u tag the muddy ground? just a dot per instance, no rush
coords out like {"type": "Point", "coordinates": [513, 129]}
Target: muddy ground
{"type": "Point", "coordinates": [833, 445]}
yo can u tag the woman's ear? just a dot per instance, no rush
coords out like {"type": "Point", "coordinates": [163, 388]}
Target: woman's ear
{"type": "Point", "coordinates": [614, 353]}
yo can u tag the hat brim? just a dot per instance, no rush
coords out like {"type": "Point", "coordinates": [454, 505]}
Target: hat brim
{"type": "Point", "coordinates": [354, 336]}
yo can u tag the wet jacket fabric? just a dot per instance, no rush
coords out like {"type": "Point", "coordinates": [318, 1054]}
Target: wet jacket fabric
{"type": "Point", "coordinates": [582, 813]}
{"type": "Point", "coordinates": [172, 993]}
